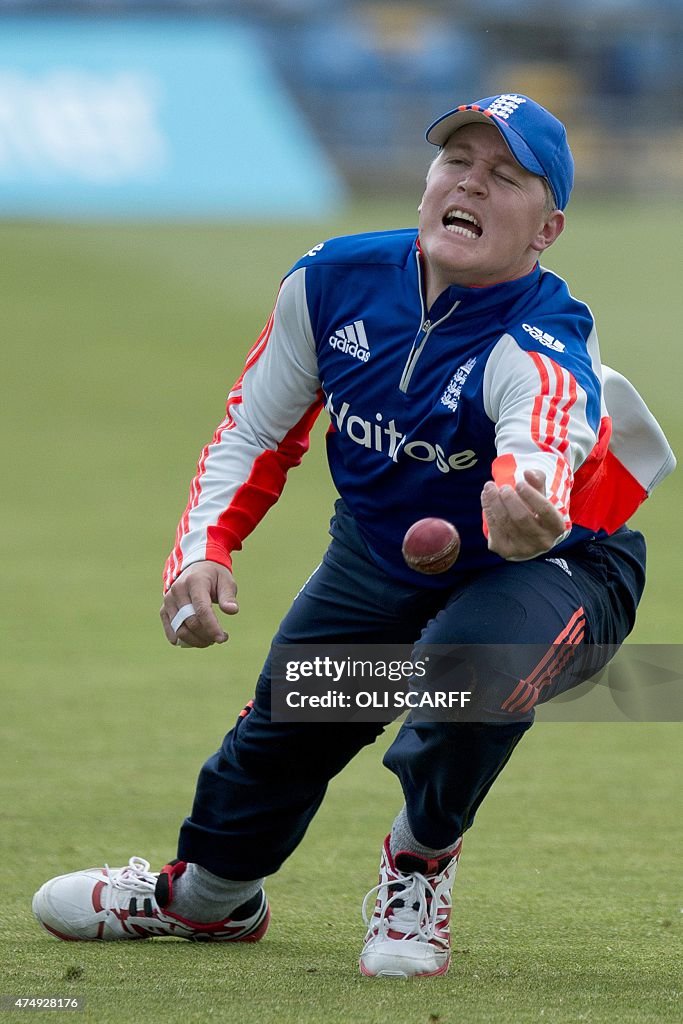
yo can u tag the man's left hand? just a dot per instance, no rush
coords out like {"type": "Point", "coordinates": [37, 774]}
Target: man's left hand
{"type": "Point", "coordinates": [522, 523]}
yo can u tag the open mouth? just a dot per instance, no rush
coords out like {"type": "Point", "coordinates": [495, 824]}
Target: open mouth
{"type": "Point", "coordinates": [459, 222]}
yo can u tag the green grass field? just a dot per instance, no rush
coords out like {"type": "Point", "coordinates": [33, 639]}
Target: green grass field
{"type": "Point", "coordinates": [119, 345]}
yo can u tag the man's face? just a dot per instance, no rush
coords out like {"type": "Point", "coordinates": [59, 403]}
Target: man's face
{"type": "Point", "coordinates": [483, 217]}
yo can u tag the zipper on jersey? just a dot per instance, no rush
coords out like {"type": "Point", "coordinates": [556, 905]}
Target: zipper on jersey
{"type": "Point", "coordinates": [426, 328]}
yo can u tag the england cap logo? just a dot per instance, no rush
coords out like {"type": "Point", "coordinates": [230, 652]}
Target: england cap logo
{"type": "Point", "coordinates": [537, 140]}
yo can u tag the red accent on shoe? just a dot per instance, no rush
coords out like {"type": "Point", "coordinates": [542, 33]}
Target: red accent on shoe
{"type": "Point", "coordinates": [428, 865]}
{"type": "Point", "coordinates": [96, 901]}
{"type": "Point", "coordinates": [60, 935]}
{"type": "Point", "coordinates": [167, 875]}
{"type": "Point", "coordinates": [231, 929]}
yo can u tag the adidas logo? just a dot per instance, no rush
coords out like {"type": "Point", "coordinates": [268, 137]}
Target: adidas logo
{"type": "Point", "coordinates": [352, 340]}
{"type": "Point", "coordinates": [544, 338]}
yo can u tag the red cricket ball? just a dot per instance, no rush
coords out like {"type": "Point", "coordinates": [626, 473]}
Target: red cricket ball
{"type": "Point", "coordinates": [431, 546]}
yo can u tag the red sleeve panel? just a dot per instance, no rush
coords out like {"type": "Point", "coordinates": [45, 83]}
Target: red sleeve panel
{"type": "Point", "coordinates": [270, 412]}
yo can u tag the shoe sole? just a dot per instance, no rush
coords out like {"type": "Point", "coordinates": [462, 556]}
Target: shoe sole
{"type": "Point", "coordinates": [402, 974]}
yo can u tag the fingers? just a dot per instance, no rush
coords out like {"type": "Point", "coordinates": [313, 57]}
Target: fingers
{"type": "Point", "coordinates": [536, 478]}
{"type": "Point", "coordinates": [543, 510]}
{"type": "Point", "coordinates": [204, 624]}
{"type": "Point", "coordinates": [166, 623]}
{"type": "Point", "coordinates": [189, 633]}
{"type": "Point", "coordinates": [521, 522]}
{"type": "Point", "coordinates": [227, 595]}
{"type": "Point", "coordinates": [183, 613]}
{"type": "Point", "coordinates": [187, 614]}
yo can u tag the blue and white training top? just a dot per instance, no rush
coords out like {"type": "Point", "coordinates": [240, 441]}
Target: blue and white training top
{"type": "Point", "coordinates": [424, 406]}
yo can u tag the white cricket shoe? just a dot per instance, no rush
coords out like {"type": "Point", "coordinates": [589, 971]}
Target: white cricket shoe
{"type": "Point", "coordinates": [409, 930]}
{"type": "Point", "coordinates": [128, 903]}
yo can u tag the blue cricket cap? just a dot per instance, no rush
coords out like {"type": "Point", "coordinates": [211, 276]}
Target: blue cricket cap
{"type": "Point", "coordinates": [537, 140]}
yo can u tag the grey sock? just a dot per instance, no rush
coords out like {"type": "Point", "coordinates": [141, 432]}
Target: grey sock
{"type": "Point", "coordinates": [402, 838]}
{"type": "Point", "coordinates": [203, 897]}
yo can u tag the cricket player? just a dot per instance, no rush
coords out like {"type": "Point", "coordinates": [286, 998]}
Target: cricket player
{"type": "Point", "coordinates": [460, 380]}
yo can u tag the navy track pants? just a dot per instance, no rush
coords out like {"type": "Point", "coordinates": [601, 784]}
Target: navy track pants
{"type": "Point", "coordinates": [257, 795]}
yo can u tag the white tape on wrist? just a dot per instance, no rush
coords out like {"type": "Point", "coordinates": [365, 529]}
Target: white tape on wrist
{"type": "Point", "coordinates": [181, 615]}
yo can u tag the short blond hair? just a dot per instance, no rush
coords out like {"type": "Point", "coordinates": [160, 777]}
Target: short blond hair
{"type": "Point", "coordinates": [550, 204]}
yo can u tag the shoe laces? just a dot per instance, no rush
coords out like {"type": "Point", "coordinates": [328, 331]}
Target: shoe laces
{"type": "Point", "coordinates": [135, 879]}
{"type": "Point", "coordinates": [407, 905]}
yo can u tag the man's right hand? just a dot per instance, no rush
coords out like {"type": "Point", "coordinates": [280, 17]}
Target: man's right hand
{"type": "Point", "coordinates": [202, 584]}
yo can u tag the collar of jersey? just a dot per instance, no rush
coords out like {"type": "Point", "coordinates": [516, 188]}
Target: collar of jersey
{"type": "Point", "coordinates": [478, 300]}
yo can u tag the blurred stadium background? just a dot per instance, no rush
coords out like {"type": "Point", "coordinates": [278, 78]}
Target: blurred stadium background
{"type": "Point", "coordinates": [130, 107]}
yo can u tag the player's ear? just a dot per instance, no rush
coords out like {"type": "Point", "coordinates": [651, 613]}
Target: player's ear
{"type": "Point", "coordinates": [550, 231]}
